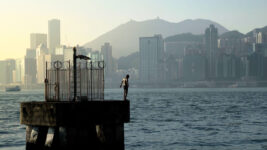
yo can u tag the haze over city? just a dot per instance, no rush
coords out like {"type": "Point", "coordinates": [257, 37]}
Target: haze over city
{"type": "Point", "coordinates": [83, 21]}
{"type": "Point", "coordinates": [161, 44]}
{"type": "Point", "coordinates": [133, 74]}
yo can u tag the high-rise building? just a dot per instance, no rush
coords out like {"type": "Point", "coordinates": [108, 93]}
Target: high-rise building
{"type": "Point", "coordinates": [106, 51]}
{"type": "Point", "coordinates": [96, 56]}
{"type": "Point", "coordinates": [60, 50]}
{"type": "Point", "coordinates": [41, 51]}
{"type": "Point", "coordinates": [151, 59]}
{"type": "Point", "coordinates": [230, 45]}
{"type": "Point", "coordinates": [68, 54]}
{"type": "Point", "coordinates": [83, 50]}
{"type": "Point", "coordinates": [172, 68]}
{"type": "Point", "coordinates": [261, 38]}
{"type": "Point", "coordinates": [176, 48]}
{"type": "Point", "coordinates": [53, 35]}
{"type": "Point", "coordinates": [30, 68]}
{"type": "Point", "coordinates": [52, 58]}
{"type": "Point", "coordinates": [11, 65]}
{"type": "Point", "coordinates": [194, 63]}
{"type": "Point", "coordinates": [227, 66]}
{"type": "Point", "coordinates": [37, 39]}
{"type": "Point", "coordinates": [257, 65]}
{"type": "Point", "coordinates": [30, 53]}
{"type": "Point", "coordinates": [175, 45]}
{"type": "Point", "coordinates": [211, 43]}
{"type": "Point", "coordinates": [7, 71]}
{"type": "Point", "coordinates": [3, 72]}
{"type": "Point", "coordinates": [18, 71]}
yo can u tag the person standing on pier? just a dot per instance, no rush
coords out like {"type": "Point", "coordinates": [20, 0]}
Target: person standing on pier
{"type": "Point", "coordinates": [125, 84]}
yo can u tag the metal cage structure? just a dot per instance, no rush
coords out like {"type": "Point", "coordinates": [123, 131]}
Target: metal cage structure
{"type": "Point", "coordinates": [59, 81]}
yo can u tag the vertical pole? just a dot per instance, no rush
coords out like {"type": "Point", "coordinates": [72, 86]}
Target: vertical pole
{"type": "Point", "coordinates": [91, 81]}
{"type": "Point", "coordinates": [49, 87]}
{"type": "Point", "coordinates": [74, 74]}
{"type": "Point", "coordinates": [46, 82]}
{"type": "Point", "coordinates": [58, 86]}
{"type": "Point", "coordinates": [55, 82]}
{"type": "Point", "coordinates": [103, 80]}
{"type": "Point", "coordinates": [86, 69]}
{"type": "Point", "coordinates": [80, 79]}
{"type": "Point", "coordinates": [69, 80]}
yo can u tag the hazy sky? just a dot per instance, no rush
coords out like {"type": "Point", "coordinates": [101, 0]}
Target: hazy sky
{"type": "Point", "coordinates": [84, 20]}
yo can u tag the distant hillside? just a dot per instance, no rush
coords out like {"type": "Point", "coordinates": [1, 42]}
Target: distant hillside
{"type": "Point", "coordinates": [185, 37]}
{"type": "Point", "coordinates": [232, 35]}
{"type": "Point", "coordinates": [125, 38]}
{"type": "Point", "coordinates": [130, 61]}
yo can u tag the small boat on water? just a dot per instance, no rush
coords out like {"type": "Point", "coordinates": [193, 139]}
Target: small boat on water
{"type": "Point", "coordinates": [13, 89]}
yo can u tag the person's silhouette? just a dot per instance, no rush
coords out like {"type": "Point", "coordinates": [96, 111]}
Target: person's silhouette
{"type": "Point", "coordinates": [125, 84]}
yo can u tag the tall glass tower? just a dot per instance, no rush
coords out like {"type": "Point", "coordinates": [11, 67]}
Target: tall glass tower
{"type": "Point", "coordinates": [211, 43]}
{"type": "Point", "coordinates": [53, 35]}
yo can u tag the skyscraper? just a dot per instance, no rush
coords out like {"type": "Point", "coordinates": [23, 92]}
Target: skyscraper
{"type": "Point", "coordinates": [261, 38]}
{"type": "Point", "coordinates": [106, 51]}
{"type": "Point", "coordinates": [41, 51]}
{"type": "Point", "coordinates": [211, 43]}
{"type": "Point", "coordinates": [96, 56]}
{"type": "Point", "coordinates": [30, 67]}
{"type": "Point", "coordinates": [18, 70]}
{"type": "Point", "coordinates": [53, 35]}
{"type": "Point", "coordinates": [3, 71]}
{"type": "Point", "coordinates": [151, 59]}
{"type": "Point", "coordinates": [11, 65]}
{"type": "Point", "coordinates": [37, 39]}
{"type": "Point", "coordinates": [7, 69]}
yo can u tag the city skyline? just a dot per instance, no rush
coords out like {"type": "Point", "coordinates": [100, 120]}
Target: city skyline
{"type": "Point", "coordinates": [232, 56]}
{"type": "Point", "coordinates": [86, 20]}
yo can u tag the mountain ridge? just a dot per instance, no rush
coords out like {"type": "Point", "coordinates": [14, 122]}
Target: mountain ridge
{"type": "Point", "coordinates": [233, 35]}
{"type": "Point", "coordinates": [125, 37]}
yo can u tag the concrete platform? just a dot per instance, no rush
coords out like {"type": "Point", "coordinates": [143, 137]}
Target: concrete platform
{"type": "Point", "coordinates": [74, 114]}
{"type": "Point", "coordinates": [97, 125]}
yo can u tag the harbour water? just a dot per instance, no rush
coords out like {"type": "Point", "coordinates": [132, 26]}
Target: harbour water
{"type": "Point", "coordinates": [169, 119]}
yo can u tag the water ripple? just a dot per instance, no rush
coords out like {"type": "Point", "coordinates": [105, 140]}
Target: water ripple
{"type": "Point", "coordinates": [169, 119]}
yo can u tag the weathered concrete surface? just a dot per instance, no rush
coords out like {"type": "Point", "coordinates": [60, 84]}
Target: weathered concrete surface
{"type": "Point", "coordinates": [97, 125]}
{"type": "Point", "coordinates": [74, 114]}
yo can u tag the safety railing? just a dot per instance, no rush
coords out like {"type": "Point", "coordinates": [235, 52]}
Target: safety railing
{"type": "Point", "coordinates": [59, 81]}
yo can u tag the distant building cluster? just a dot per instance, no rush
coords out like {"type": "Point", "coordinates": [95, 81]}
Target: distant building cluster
{"type": "Point", "coordinates": [211, 57]}
{"type": "Point", "coordinates": [30, 70]}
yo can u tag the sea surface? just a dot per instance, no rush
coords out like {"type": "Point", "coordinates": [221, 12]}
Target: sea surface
{"type": "Point", "coordinates": [169, 119]}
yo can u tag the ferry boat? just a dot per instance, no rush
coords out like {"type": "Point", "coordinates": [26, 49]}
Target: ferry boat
{"type": "Point", "coordinates": [13, 89]}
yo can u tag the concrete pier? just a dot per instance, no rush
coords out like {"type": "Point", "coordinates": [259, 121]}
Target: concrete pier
{"type": "Point", "coordinates": [97, 125]}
